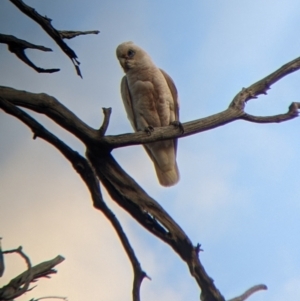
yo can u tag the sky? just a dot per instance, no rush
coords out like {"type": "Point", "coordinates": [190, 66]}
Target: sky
{"type": "Point", "coordinates": [237, 195]}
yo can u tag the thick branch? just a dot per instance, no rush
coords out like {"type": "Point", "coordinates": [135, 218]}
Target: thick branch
{"type": "Point", "coordinates": [130, 196]}
{"type": "Point", "coordinates": [51, 107]}
{"type": "Point", "coordinates": [168, 132]}
{"type": "Point", "coordinates": [87, 174]}
{"type": "Point", "coordinates": [48, 105]}
{"type": "Point", "coordinates": [17, 46]}
{"type": "Point", "coordinates": [79, 163]}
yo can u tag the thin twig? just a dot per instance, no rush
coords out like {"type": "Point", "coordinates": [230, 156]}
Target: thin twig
{"type": "Point", "coordinates": [104, 126]}
{"type": "Point", "coordinates": [249, 292]}
{"type": "Point", "coordinates": [263, 85]}
{"type": "Point", "coordinates": [139, 274]}
{"type": "Point", "coordinates": [291, 114]}
{"type": "Point", "coordinates": [50, 297]}
{"type": "Point", "coordinates": [21, 253]}
{"type": "Point", "coordinates": [19, 290]}
{"type": "Point", "coordinates": [69, 34]}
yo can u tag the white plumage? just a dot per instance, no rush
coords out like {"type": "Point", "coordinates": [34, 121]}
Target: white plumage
{"type": "Point", "coordinates": [150, 99]}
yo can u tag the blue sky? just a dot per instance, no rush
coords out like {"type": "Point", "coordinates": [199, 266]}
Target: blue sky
{"type": "Point", "coordinates": [238, 190]}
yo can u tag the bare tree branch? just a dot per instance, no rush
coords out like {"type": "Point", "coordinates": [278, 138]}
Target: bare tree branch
{"type": "Point", "coordinates": [50, 106]}
{"type": "Point", "coordinates": [19, 289]}
{"type": "Point", "coordinates": [249, 292]}
{"type": "Point", "coordinates": [21, 253]}
{"type": "Point", "coordinates": [234, 112]}
{"type": "Point", "coordinates": [14, 42]}
{"type": "Point", "coordinates": [50, 297]}
{"type": "Point", "coordinates": [17, 46]}
{"type": "Point", "coordinates": [139, 274]}
{"type": "Point", "coordinates": [87, 174]}
{"type": "Point", "coordinates": [16, 287]}
{"type": "Point", "coordinates": [169, 132]}
{"type": "Point", "coordinates": [104, 126]}
{"type": "Point", "coordinates": [263, 85]}
{"type": "Point", "coordinates": [130, 196]}
{"type": "Point", "coordinates": [69, 34]}
{"type": "Point", "coordinates": [291, 114]}
{"type": "Point", "coordinates": [45, 23]}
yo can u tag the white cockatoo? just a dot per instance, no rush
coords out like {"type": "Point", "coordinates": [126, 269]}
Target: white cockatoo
{"type": "Point", "coordinates": [150, 99]}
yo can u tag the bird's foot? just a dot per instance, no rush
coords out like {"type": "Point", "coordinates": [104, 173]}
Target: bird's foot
{"type": "Point", "coordinates": [149, 129]}
{"type": "Point", "coordinates": [179, 125]}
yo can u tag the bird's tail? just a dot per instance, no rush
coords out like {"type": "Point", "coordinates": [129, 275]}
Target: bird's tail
{"type": "Point", "coordinates": [169, 177]}
{"type": "Point", "coordinates": [163, 156]}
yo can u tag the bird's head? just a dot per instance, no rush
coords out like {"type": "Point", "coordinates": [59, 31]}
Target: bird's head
{"type": "Point", "coordinates": [131, 56]}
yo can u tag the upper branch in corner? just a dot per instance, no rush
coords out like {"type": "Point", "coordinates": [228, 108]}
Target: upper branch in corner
{"type": "Point", "coordinates": [45, 23]}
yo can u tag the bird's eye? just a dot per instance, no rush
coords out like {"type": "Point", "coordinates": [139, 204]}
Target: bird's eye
{"type": "Point", "coordinates": [130, 53]}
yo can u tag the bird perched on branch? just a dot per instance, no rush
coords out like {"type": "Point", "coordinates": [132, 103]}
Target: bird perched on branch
{"type": "Point", "coordinates": [150, 99]}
